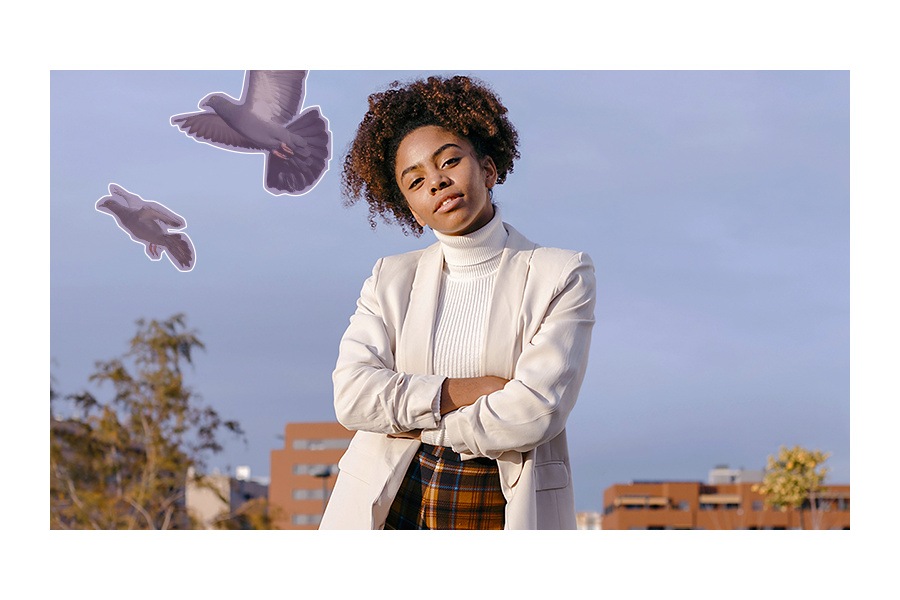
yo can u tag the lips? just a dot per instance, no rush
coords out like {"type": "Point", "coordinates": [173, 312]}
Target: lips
{"type": "Point", "coordinates": [448, 202]}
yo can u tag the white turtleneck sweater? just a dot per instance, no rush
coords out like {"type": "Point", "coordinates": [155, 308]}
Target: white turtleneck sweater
{"type": "Point", "coordinates": [467, 283]}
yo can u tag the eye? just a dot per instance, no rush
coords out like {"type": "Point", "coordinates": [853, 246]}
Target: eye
{"type": "Point", "coordinates": [451, 161]}
{"type": "Point", "coordinates": [414, 183]}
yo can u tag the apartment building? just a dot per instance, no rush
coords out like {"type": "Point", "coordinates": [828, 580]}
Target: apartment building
{"type": "Point", "coordinates": [303, 472]}
{"type": "Point", "coordinates": [725, 501]}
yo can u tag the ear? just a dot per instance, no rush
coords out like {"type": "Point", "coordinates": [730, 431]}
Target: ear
{"type": "Point", "coordinates": [490, 171]}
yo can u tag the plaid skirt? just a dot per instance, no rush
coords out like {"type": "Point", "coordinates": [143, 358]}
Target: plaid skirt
{"type": "Point", "coordinates": [441, 491]}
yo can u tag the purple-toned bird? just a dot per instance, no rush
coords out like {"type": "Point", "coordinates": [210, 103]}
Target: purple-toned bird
{"type": "Point", "coordinates": [265, 120]}
{"type": "Point", "coordinates": [148, 223]}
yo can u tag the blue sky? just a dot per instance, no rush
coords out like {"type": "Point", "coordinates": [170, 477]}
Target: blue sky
{"type": "Point", "coordinates": [715, 205]}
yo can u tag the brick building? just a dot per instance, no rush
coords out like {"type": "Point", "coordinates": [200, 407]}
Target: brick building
{"type": "Point", "coordinates": [302, 473]}
{"type": "Point", "coordinates": [726, 501]}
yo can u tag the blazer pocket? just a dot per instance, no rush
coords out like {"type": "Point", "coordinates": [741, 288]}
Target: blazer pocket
{"type": "Point", "coordinates": [358, 464]}
{"type": "Point", "coordinates": [551, 475]}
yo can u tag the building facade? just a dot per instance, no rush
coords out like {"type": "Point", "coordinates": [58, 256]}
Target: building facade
{"type": "Point", "coordinates": [219, 496]}
{"type": "Point", "coordinates": [717, 505]}
{"type": "Point", "coordinates": [588, 520]}
{"type": "Point", "coordinates": [303, 473]}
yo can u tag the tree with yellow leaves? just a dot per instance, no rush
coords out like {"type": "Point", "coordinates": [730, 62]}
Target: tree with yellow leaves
{"type": "Point", "coordinates": [792, 478]}
{"type": "Point", "coordinates": [122, 463]}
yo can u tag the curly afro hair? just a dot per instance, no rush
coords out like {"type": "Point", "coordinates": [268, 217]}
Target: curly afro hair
{"type": "Point", "coordinates": [462, 105]}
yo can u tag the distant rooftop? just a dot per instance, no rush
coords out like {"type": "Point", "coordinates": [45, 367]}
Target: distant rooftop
{"type": "Point", "coordinates": [720, 474]}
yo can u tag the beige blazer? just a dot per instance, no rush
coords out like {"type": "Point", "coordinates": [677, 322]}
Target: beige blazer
{"type": "Point", "coordinates": [538, 336]}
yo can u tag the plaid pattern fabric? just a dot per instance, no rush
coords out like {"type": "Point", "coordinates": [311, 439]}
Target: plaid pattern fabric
{"type": "Point", "coordinates": [441, 491]}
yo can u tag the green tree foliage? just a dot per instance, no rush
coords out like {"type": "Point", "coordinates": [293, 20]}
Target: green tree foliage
{"type": "Point", "coordinates": [793, 478]}
{"type": "Point", "coordinates": [121, 464]}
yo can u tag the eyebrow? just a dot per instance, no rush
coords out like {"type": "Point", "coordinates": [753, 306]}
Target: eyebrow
{"type": "Point", "coordinates": [433, 156]}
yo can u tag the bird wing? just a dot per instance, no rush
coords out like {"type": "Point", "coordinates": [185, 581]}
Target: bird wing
{"type": "Point", "coordinates": [212, 128]}
{"type": "Point", "coordinates": [132, 201]}
{"type": "Point", "coordinates": [274, 96]}
{"type": "Point", "coordinates": [151, 212]}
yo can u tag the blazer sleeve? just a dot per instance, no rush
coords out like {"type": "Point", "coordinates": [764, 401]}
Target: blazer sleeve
{"type": "Point", "coordinates": [369, 395]}
{"type": "Point", "coordinates": [533, 406]}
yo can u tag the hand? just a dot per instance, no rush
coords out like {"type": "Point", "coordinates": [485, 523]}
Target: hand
{"type": "Point", "coordinates": [410, 435]}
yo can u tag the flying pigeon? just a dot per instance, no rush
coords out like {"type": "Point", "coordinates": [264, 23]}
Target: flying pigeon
{"type": "Point", "coordinates": [265, 120]}
{"type": "Point", "coordinates": [148, 223]}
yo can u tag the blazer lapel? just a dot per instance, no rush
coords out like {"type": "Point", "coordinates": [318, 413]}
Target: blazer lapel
{"type": "Point", "coordinates": [416, 344]}
{"type": "Point", "coordinates": [503, 342]}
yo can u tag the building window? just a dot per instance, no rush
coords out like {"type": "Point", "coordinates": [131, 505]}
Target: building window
{"type": "Point", "coordinates": [757, 505]}
{"type": "Point", "coordinates": [327, 444]}
{"type": "Point", "coordinates": [732, 506]}
{"type": "Point", "coordinates": [315, 494]}
{"type": "Point", "coordinates": [306, 519]}
{"type": "Point", "coordinates": [708, 506]}
{"type": "Point", "coordinates": [684, 505]}
{"type": "Point", "coordinates": [319, 470]}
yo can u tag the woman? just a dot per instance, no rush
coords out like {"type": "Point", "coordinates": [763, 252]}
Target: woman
{"type": "Point", "coordinates": [462, 361]}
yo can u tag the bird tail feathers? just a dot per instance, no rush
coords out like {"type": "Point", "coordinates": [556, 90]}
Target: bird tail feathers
{"type": "Point", "coordinates": [312, 126]}
{"type": "Point", "coordinates": [298, 174]}
{"type": "Point", "coordinates": [180, 250]}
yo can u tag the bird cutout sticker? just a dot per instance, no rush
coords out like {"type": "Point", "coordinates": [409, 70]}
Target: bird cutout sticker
{"type": "Point", "coordinates": [267, 120]}
{"type": "Point", "coordinates": [149, 224]}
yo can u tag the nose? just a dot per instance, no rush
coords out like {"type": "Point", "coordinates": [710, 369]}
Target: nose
{"type": "Point", "coordinates": [439, 181]}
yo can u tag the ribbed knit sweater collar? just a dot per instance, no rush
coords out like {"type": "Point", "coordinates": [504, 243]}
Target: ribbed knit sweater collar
{"type": "Point", "coordinates": [476, 247]}
{"type": "Point", "coordinates": [475, 253]}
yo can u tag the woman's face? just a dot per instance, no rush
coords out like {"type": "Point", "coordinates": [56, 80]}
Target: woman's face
{"type": "Point", "coordinates": [444, 182]}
